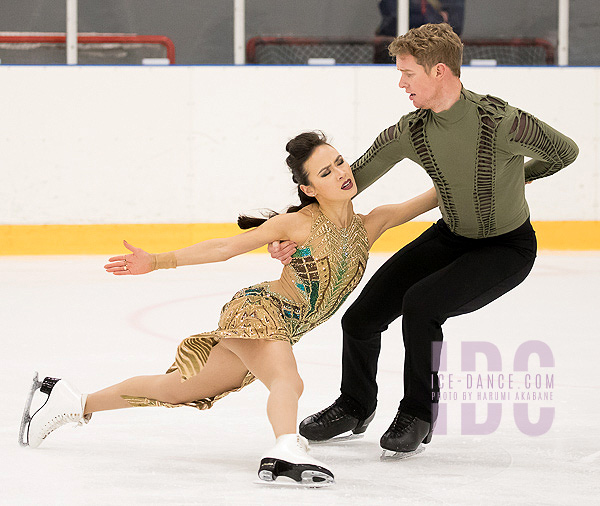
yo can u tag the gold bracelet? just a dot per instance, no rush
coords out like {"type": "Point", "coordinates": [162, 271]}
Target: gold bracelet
{"type": "Point", "coordinates": [164, 261]}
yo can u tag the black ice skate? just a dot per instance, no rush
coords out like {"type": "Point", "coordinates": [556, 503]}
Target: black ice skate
{"type": "Point", "coordinates": [333, 422]}
{"type": "Point", "coordinates": [288, 462]}
{"type": "Point", "coordinates": [63, 405]}
{"type": "Point", "coordinates": [404, 437]}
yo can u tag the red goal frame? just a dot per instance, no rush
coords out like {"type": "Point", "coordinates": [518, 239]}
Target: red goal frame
{"type": "Point", "coordinates": [91, 38]}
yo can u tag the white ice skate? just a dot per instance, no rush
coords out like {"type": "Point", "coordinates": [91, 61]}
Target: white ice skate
{"type": "Point", "coordinates": [64, 405]}
{"type": "Point", "coordinates": [288, 459]}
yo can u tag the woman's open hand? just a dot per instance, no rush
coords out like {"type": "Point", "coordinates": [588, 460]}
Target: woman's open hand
{"type": "Point", "coordinates": [137, 262]}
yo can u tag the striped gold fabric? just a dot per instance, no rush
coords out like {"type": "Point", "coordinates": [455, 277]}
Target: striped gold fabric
{"type": "Point", "coordinates": [323, 272]}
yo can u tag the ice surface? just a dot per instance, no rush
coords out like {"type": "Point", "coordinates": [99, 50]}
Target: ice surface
{"type": "Point", "coordinates": [66, 317]}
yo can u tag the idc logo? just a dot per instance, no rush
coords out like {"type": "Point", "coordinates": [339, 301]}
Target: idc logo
{"type": "Point", "coordinates": [526, 390]}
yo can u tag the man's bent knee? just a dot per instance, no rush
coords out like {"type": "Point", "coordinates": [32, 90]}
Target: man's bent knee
{"type": "Point", "coordinates": [360, 325]}
{"type": "Point", "coordinates": [417, 305]}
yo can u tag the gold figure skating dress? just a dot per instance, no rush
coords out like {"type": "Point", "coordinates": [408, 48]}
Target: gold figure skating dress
{"type": "Point", "coordinates": [322, 273]}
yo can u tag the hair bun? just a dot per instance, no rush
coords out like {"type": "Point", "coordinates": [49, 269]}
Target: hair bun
{"type": "Point", "coordinates": [290, 145]}
{"type": "Point", "coordinates": [302, 146]}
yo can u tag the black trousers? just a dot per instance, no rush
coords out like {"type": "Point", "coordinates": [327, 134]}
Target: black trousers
{"type": "Point", "coordinates": [436, 276]}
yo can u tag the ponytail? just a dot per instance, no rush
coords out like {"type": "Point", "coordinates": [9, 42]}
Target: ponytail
{"type": "Point", "coordinates": [245, 222]}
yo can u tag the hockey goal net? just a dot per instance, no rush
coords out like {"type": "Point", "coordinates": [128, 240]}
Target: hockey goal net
{"type": "Point", "coordinates": [299, 50]}
{"type": "Point", "coordinates": [92, 48]}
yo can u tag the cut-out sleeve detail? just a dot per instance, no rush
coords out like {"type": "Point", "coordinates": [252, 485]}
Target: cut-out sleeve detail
{"type": "Point", "coordinates": [550, 150]}
{"type": "Point", "coordinates": [385, 152]}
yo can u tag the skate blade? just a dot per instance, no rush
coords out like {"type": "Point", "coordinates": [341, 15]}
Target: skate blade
{"type": "Point", "coordinates": [36, 384]}
{"type": "Point", "coordinates": [310, 479]}
{"type": "Point", "coordinates": [347, 436]}
{"type": "Point", "coordinates": [392, 455]}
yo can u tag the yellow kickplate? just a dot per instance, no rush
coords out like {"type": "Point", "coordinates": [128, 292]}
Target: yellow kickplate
{"type": "Point", "coordinates": [108, 239]}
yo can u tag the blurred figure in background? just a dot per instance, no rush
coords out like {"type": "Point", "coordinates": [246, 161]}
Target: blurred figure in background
{"type": "Point", "coordinates": [422, 12]}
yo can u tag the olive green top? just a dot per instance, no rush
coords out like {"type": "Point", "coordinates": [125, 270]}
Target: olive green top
{"type": "Point", "coordinates": [474, 153]}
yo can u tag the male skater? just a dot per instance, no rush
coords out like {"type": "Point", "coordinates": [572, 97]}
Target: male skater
{"type": "Point", "coordinates": [472, 146]}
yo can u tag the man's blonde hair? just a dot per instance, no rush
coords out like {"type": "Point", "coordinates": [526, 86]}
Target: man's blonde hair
{"type": "Point", "coordinates": [431, 44]}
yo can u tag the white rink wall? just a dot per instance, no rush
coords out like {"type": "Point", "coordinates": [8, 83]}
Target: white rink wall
{"type": "Point", "coordinates": [95, 145]}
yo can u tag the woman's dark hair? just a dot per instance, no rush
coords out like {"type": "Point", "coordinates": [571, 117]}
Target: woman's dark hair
{"type": "Point", "coordinates": [299, 148]}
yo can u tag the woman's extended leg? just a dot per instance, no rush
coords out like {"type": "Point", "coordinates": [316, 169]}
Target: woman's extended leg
{"type": "Point", "coordinates": [273, 363]}
{"type": "Point", "coordinates": [223, 371]}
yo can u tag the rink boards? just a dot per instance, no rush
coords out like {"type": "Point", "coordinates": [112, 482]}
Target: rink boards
{"type": "Point", "coordinates": [165, 156]}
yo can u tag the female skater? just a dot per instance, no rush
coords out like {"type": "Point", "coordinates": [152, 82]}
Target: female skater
{"type": "Point", "coordinates": [258, 327]}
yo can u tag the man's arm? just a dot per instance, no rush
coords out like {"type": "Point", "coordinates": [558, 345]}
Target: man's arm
{"type": "Point", "coordinates": [388, 216]}
{"type": "Point", "coordinates": [550, 150]}
{"type": "Point", "coordinates": [389, 148]}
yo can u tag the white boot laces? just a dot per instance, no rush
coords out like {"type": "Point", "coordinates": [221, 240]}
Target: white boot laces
{"type": "Point", "coordinates": [302, 443]}
{"type": "Point", "coordinates": [64, 418]}
{"type": "Point", "coordinates": [60, 420]}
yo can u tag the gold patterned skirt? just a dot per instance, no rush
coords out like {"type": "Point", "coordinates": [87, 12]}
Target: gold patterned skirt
{"type": "Point", "coordinates": [252, 313]}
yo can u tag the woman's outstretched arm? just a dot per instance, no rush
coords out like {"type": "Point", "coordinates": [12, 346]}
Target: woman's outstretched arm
{"type": "Point", "coordinates": [384, 217]}
{"type": "Point", "coordinates": [285, 226]}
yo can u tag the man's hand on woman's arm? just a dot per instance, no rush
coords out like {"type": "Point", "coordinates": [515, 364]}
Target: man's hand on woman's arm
{"type": "Point", "coordinates": [282, 251]}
